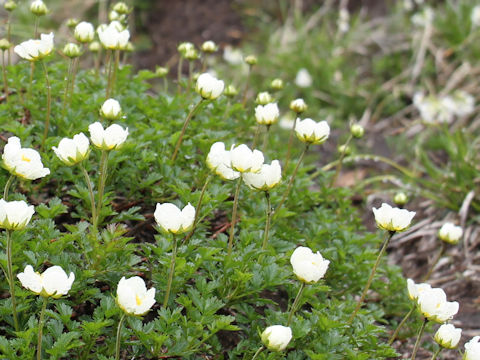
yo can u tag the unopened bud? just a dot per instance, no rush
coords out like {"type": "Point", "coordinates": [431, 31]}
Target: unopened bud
{"type": "Point", "coordinates": [231, 91]}
{"type": "Point", "coordinates": [276, 84]}
{"type": "Point", "coordinates": [298, 106]}
{"type": "Point", "coordinates": [10, 5]}
{"type": "Point", "coordinates": [344, 149]}
{"type": "Point", "coordinates": [191, 54]}
{"type": "Point", "coordinates": [209, 47]}
{"type": "Point", "coordinates": [38, 8]}
{"type": "Point", "coordinates": [161, 71]}
{"type": "Point", "coordinates": [251, 60]}
{"type": "Point", "coordinates": [5, 44]}
{"type": "Point", "coordinates": [184, 46]}
{"type": "Point", "coordinates": [121, 8]}
{"type": "Point", "coordinates": [72, 50]}
{"type": "Point", "coordinates": [357, 130]}
{"type": "Point", "coordinates": [400, 199]}
{"type": "Point", "coordinates": [263, 98]}
{"type": "Point", "coordinates": [72, 22]}
{"type": "Point", "coordinates": [94, 46]}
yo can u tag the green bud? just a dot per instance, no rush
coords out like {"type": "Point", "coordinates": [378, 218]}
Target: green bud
{"type": "Point", "coordinates": [251, 60]}
{"type": "Point", "coordinates": [72, 50]}
{"type": "Point", "coordinates": [121, 8]}
{"type": "Point", "coordinates": [343, 149]}
{"type": "Point", "coordinates": [230, 91]}
{"type": "Point", "coordinates": [38, 8]}
{"type": "Point", "coordinates": [5, 44]}
{"type": "Point", "coordinates": [10, 5]}
{"type": "Point", "coordinates": [161, 71]}
{"type": "Point", "coordinates": [263, 98]}
{"type": "Point", "coordinates": [357, 130]}
{"type": "Point", "coordinates": [191, 54]}
{"type": "Point", "coordinates": [298, 105]}
{"type": "Point", "coordinates": [94, 46]}
{"type": "Point", "coordinates": [72, 22]}
{"type": "Point", "coordinates": [400, 198]}
{"type": "Point", "coordinates": [183, 47]}
{"type": "Point", "coordinates": [276, 84]}
{"type": "Point", "coordinates": [209, 47]}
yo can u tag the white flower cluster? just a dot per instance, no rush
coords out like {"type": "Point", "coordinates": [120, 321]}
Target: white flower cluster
{"type": "Point", "coordinates": [443, 109]}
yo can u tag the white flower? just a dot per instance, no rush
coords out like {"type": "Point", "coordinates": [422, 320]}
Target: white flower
{"type": "Point", "coordinates": [263, 98]}
{"type": "Point", "coordinates": [209, 47]}
{"type": "Point", "coordinates": [52, 282]}
{"type": "Point", "coordinates": [33, 50]}
{"type": "Point", "coordinates": [312, 132]}
{"type": "Point", "coordinates": [303, 78]}
{"type": "Point", "coordinates": [107, 139]}
{"type": "Point", "coordinates": [414, 290]}
{"type": "Point", "coordinates": [232, 56]}
{"type": "Point", "coordinates": [111, 109]}
{"type": "Point", "coordinates": [433, 109]}
{"type": "Point", "coordinates": [267, 114]}
{"type": "Point", "coordinates": [171, 219]}
{"type": "Point", "coordinates": [475, 16]}
{"type": "Point", "coordinates": [448, 336]}
{"type": "Point", "coordinates": [112, 36]}
{"type": "Point", "coordinates": [423, 18]}
{"type": "Point", "coordinates": [472, 349]}
{"type": "Point", "coordinates": [392, 219]}
{"type": "Point", "coordinates": [15, 215]}
{"type": "Point", "coordinates": [308, 266]}
{"type": "Point", "coordinates": [268, 177]}
{"type": "Point", "coordinates": [84, 32]}
{"type": "Point", "coordinates": [276, 337]}
{"type": "Point", "coordinates": [434, 306]}
{"type": "Point", "coordinates": [245, 160]}
{"type": "Point", "coordinates": [298, 105]}
{"type": "Point", "coordinates": [23, 162]}
{"type": "Point", "coordinates": [343, 20]}
{"type": "Point", "coordinates": [133, 296]}
{"type": "Point", "coordinates": [450, 233]}
{"type": "Point", "coordinates": [219, 161]}
{"type": "Point", "coordinates": [209, 87]}
{"type": "Point", "coordinates": [72, 151]}
{"type": "Point", "coordinates": [463, 103]}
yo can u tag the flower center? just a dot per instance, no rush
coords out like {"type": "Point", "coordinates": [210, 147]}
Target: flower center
{"type": "Point", "coordinates": [24, 158]}
{"type": "Point", "coordinates": [138, 300]}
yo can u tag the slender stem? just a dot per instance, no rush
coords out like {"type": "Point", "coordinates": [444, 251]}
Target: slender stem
{"type": "Point", "coordinates": [10, 278]}
{"type": "Point", "coordinates": [267, 222]}
{"type": "Point", "coordinates": [255, 139]}
{"type": "Point", "coordinates": [7, 187]}
{"type": "Point", "coordinates": [372, 274]}
{"type": "Point", "coordinates": [67, 84]}
{"type": "Point", "coordinates": [49, 104]}
{"type": "Point", "coordinates": [397, 330]}
{"type": "Point", "coordinates": [92, 197]}
{"type": "Point", "coordinates": [101, 184]}
{"type": "Point", "coordinates": [435, 262]}
{"type": "Point", "coordinates": [340, 161]}
{"type": "Point", "coordinates": [179, 74]}
{"type": "Point", "coordinates": [292, 178]}
{"type": "Point", "coordinates": [234, 216]}
{"type": "Point", "coordinates": [41, 322]}
{"type": "Point", "coordinates": [419, 338]}
{"type": "Point", "coordinates": [290, 140]}
{"type": "Point", "coordinates": [32, 71]}
{"type": "Point", "coordinates": [258, 352]}
{"type": "Point", "coordinates": [76, 61]}
{"type": "Point", "coordinates": [5, 81]}
{"type": "Point", "coordinates": [9, 36]}
{"type": "Point", "coordinates": [108, 68]}
{"type": "Point", "coordinates": [119, 335]}
{"type": "Point", "coordinates": [190, 74]}
{"type": "Point", "coordinates": [114, 73]}
{"type": "Point", "coordinates": [35, 31]}
{"type": "Point", "coordinates": [265, 139]}
{"type": "Point", "coordinates": [295, 303]}
{"type": "Point", "coordinates": [165, 85]}
{"type": "Point", "coordinates": [245, 91]}
{"type": "Point", "coordinates": [185, 124]}
{"type": "Point", "coordinates": [171, 271]}
{"type": "Point", "coordinates": [434, 356]}
{"type": "Point", "coordinates": [197, 209]}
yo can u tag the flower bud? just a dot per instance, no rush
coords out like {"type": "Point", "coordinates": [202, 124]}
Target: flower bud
{"type": "Point", "coordinates": [15, 215]}
{"type": "Point", "coordinates": [72, 22]}
{"type": "Point", "coordinates": [84, 32]}
{"type": "Point", "coordinates": [251, 60]}
{"type": "Point", "coordinates": [72, 50]}
{"type": "Point", "coordinates": [10, 5]}
{"type": "Point", "coordinates": [276, 84]}
{"type": "Point", "coordinates": [231, 91]}
{"type": "Point", "coordinates": [121, 8]}
{"type": "Point", "coordinates": [115, 16]}
{"type": "Point", "coordinates": [209, 87]}
{"type": "Point", "coordinates": [5, 44]}
{"type": "Point", "coordinates": [357, 130]}
{"type": "Point", "coordinates": [94, 46]}
{"type": "Point", "coordinates": [38, 8]}
{"type": "Point", "coordinates": [345, 149]}
{"type": "Point", "coordinates": [184, 46]}
{"type": "Point", "coordinates": [263, 98]}
{"type": "Point", "coordinates": [111, 109]}
{"type": "Point", "coordinates": [298, 106]}
{"type": "Point", "coordinates": [308, 266]}
{"type": "Point", "coordinates": [209, 47]}
{"type": "Point", "coordinates": [276, 337]}
{"type": "Point", "coordinates": [450, 233]}
{"type": "Point", "coordinates": [161, 71]}
{"type": "Point", "coordinates": [448, 336]}
{"type": "Point", "coordinates": [191, 54]}
{"type": "Point", "coordinates": [400, 199]}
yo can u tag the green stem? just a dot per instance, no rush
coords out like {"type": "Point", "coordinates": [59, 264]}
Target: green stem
{"type": "Point", "coordinates": [49, 104]}
{"type": "Point", "coordinates": [265, 139]}
{"type": "Point", "coordinates": [171, 271]}
{"type": "Point", "coordinates": [295, 303]}
{"type": "Point", "coordinates": [255, 138]}
{"type": "Point", "coordinates": [292, 178]}
{"type": "Point", "coordinates": [101, 184]}
{"type": "Point", "coordinates": [182, 133]}
{"type": "Point", "coordinates": [41, 322]}
{"type": "Point", "coordinates": [434, 356]}
{"type": "Point", "coordinates": [119, 333]}
{"type": "Point", "coordinates": [419, 338]}
{"type": "Point", "coordinates": [76, 61]}
{"type": "Point", "coordinates": [197, 209]}
{"type": "Point", "coordinates": [267, 222]}
{"type": "Point", "coordinates": [340, 161]}
{"type": "Point", "coordinates": [245, 91]}
{"type": "Point", "coordinates": [179, 74]}
{"type": "Point", "coordinates": [190, 74]}
{"type": "Point", "coordinates": [10, 278]}
{"type": "Point", "coordinates": [435, 262]}
{"type": "Point", "coordinates": [7, 187]}
{"type": "Point", "coordinates": [67, 84]}
{"type": "Point", "coordinates": [108, 67]}
{"type": "Point", "coordinates": [165, 85]}
{"type": "Point", "coordinates": [9, 36]}
{"type": "Point", "coordinates": [397, 330]}
{"type": "Point", "coordinates": [290, 140]}
{"type": "Point", "coordinates": [234, 216]}
{"type": "Point", "coordinates": [35, 31]}
{"type": "Point", "coordinates": [372, 274]}
{"type": "Point", "coordinates": [258, 352]}
{"type": "Point", "coordinates": [5, 81]}
{"type": "Point", "coordinates": [92, 198]}
{"type": "Point", "coordinates": [114, 73]}
{"type": "Point", "coordinates": [32, 71]}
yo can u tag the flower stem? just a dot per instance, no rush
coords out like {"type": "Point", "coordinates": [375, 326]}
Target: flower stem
{"type": "Point", "coordinates": [114, 73]}
{"type": "Point", "coordinates": [255, 138]}
{"type": "Point", "coordinates": [190, 75]}
{"type": "Point", "coordinates": [108, 68]}
{"type": "Point", "coordinates": [76, 61]}
{"type": "Point", "coordinates": [179, 74]}
{"type": "Point", "coordinates": [267, 223]}
{"type": "Point", "coordinates": [92, 198]}
{"type": "Point", "coordinates": [9, 36]}
{"type": "Point", "coordinates": [5, 81]}
{"type": "Point", "coordinates": [258, 352]}
{"type": "Point", "coordinates": [7, 187]}
{"type": "Point", "coordinates": [49, 104]}
{"type": "Point", "coordinates": [67, 84]}
{"type": "Point", "coordinates": [171, 271]}
{"type": "Point", "coordinates": [397, 330]}
{"type": "Point", "coordinates": [292, 178]}
{"type": "Point", "coordinates": [101, 184]}
{"type": "Point", "coordinates": [41, 322]}
{"type": "Point", "coordinates": [197, 209]}
{"type": "Point", "coordinates": [10, 278]}
{"type": "Point", "coordinates": [434, 356]}
{"type": "Point", "coordinates": [119, 333]}
{"type": "Point", "coordinates": [265, 139]}
{"type": "Point", "coordinates": [32, 71]}
{"type": "Point", "coordinates": [295, 303]}
{"type": "Point", "coordinates": [245, 91]}
{"type": "Point", "coordinates": [435, 262]}
{"type": "Point", "coordinates": [340, 161]}
{"type": "Point", "coordinates": [290, 140]}
{"type": "Point", "coordinates": [185, 124]}
{"type": "Point", "coordinates": [419, 338]}
{"type": "Point", "coordinates": [35, 31]}
{"type": "Point", "coordinates": [234, 216]}
{"type": "Point", "coordinates": [372, 274]}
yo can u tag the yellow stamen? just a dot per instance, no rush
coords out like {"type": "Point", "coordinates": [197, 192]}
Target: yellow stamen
{"type": "Point", "coordinates": [138, 300]}
{"type": "Point", "coordinates": [24, 158]}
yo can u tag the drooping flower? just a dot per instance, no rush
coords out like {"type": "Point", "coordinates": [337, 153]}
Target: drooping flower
{"type": "Point", "coordinates": [448, 336]}
{"type": "Point", "coordinates": [392, 219]}
{"type": "Point", "coordinates": [171, 219]}
{"type": "Point", "coordinates": [107, 139]}
{"type": "Point", "coordinates": [72, 151]}
{"type": "Point", "coordinates": [53, 282]}
{"type": "Point", "coordinates": [267, 178]}
{"type": "Point", "coordinates": [23, 162]}
{"type": "Point", "coordinates": [450, 233]}
{"type": "Point", "coordinates": [267, 114]}
{"type": "Point", "coordinates": [245, 160]}
{"type": "Point", "coordinates": [209, 87]}
{"type": "Point", "coordinates": [133, 296]}
{"type": "Point", "coordinates": [276, 337]}
{"type": "Point", "coordinates": [434, 306]}
{"type": "Point", "coordinates": [308, 266]}
{"type": "Point", "coordinates": [312, 132]}
{"type": "Point", "coordinates": [15, 215]}
{"type": "Point", "coordinates": [34, 50]}
{"type": "Point", "coordinates": [219, 161]}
